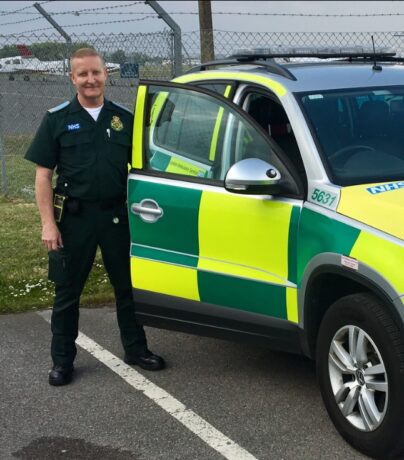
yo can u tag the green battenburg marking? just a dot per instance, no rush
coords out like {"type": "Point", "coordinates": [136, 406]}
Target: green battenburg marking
{"type": "Point", "coordinates": [318, 234]}
{"type": "Point", "coordinates": [163, 256]}
{"type": "Point", "coordinates": [177, 230]}
{"type": "Point", "coordinates": [248, 295]}
{"type": "Point", "coordinates": [159, 161]}
{"type": "Point", "coordinates": [292, 244]}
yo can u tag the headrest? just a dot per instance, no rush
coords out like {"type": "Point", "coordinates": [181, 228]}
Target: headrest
{"type": "Point", "coordinates": [377, 109]}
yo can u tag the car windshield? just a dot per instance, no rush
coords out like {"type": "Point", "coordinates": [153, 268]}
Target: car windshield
{"type": "Point", "coordinates": [360, 133]}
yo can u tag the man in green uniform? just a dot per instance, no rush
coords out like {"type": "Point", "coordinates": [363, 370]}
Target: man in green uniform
{"type": "Point", "coordinates": [88, 142]}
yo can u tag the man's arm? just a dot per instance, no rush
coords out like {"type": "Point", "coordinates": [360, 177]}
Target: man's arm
{"type": "Point", "coordinates": [51, 236]}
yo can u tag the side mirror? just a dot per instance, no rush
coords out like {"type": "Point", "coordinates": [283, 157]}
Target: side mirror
{"type": "Point", "coordinates": [253, 176]}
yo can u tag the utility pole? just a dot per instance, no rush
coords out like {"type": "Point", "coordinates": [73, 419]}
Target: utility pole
{"type": "Point", "coordinates": [206, 31]}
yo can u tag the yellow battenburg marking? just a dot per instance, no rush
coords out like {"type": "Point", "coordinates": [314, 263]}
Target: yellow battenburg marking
{"type": "Point", "coordinates": [164, 278]}
{"type": "Point", "coordinates": [276, 87]}
{"type": "Point", "coordinates": [384, 211]}
{"type": "Point", "coordinates": [138, 123]}
{"type": "Point", "coordinates": [291, 305]}
{"type": "Point", "coordinates": [215, 135]}
{"type": "Point", "coordinates": [244, 236]}
{"type": "Point", "coordinates": [383, 256]}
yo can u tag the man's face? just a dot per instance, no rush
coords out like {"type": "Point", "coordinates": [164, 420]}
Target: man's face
{"type": "Point", "coordinates": [89, 75]}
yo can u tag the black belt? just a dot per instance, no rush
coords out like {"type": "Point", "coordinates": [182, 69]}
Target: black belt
{"type": "Point", "coordinates": [75, 205]}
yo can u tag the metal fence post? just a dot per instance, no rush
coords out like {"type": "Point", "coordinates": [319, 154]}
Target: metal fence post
{"type": "Point", "coordinates": [4, 182]}
{"type": "Point", "coordinates": [66, 68]}
{"type": "Point", "coordinates": [4, 179]}
{"type": "Point", "coordinates": [67, 37]}
{"type": "Point", "coordinates": [176, 31]}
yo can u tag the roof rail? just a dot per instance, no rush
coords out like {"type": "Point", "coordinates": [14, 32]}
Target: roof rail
{"type": "Point", "coordinates": [270, 65]}
{"type": "Point", "coordinates": [385, 58]}
{"type": "Point", "coordinates": [320, 55]}
{"type": "Point", "coordinates": [267, 60]}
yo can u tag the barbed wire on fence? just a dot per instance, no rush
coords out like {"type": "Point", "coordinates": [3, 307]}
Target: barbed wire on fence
{"type": "Point", "coordinates": [6, 13]}
{"type": "Point", "coordinates": [77, 12]}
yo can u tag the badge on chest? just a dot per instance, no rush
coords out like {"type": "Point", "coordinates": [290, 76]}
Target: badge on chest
{"type": "Point", "coordinates": [116, 123]}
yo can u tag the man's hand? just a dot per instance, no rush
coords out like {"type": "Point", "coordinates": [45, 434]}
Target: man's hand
{"type": "Point", "coordinates": [51, 237]}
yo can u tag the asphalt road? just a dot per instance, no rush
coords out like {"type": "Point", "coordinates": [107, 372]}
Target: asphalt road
{"type": "Point", "coordinates": [267, 403]}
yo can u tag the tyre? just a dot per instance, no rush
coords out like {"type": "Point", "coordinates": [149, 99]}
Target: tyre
{"type": "Point", "coordinates": [360, 369]}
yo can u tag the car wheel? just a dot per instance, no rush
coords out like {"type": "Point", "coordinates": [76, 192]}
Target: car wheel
{"type": "Point", "coordinates": [360, 368]}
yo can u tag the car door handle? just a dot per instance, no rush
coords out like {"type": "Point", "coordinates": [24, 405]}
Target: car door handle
{"type": "Point", "coordinates": [148, 210]}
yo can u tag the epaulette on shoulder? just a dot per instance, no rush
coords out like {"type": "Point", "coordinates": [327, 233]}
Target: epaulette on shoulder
{"type": "Point", "coordinates": [59, 107]}
{"type": "Point", "coordinates": [122, 107]}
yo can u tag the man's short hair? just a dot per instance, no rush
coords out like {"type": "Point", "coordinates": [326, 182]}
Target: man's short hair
{"type": "Point", "coordinates": [85, 52]}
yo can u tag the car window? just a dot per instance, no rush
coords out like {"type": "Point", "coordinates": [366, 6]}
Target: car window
{"type": "Point", "coordinates": [359, 133]}
{"type": "Point", "coordinates": [191, 133]}
{"type": "Point", "coordinates": [271, 116]}
{"type": "Point", "coordinates": [220, 88]}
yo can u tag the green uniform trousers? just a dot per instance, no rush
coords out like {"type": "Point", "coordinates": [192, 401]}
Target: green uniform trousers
{"type": "Point", "coordinates": [93, 226]}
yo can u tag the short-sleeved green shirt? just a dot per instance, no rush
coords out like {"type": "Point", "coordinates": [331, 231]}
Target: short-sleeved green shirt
{"type": "Point", "coordinates": [91, 157]}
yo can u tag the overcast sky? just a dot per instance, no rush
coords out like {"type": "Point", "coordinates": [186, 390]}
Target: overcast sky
{"type": "Point", "coordinates": [263, 16]}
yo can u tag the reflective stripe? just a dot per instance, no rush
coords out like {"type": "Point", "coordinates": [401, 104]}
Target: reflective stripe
{"type": "Point", "coordinates": [138, 123]}
{"type": "Point", "coordinates": [213, 144]}
{"type": "Point", "coordinates": [164, 278]}
{"type": "Point", "coordinates": [273, 85]}
{"type": "Point", "coordinates": [59, 107]}
{"type": "Point", "coordinates": [227, 91]}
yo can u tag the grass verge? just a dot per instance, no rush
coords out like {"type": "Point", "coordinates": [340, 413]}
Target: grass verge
{"type": "Point", "coordinates": [24, 263]}
{"type": "Point", "coordinates": [17, 174]}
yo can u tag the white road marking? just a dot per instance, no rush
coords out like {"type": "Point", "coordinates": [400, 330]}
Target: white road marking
{"type": "Point", "coordinates": [208, 433]}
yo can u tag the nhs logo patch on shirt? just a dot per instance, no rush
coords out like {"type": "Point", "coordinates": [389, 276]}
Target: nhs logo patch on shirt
{"type": "Point", "coordinates": [73, 127]}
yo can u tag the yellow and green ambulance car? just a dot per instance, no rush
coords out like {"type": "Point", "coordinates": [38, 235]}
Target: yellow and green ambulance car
{"type": "Point", "coordinates": [266, 203]}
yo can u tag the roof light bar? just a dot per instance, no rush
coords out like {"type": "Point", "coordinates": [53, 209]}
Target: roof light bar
{"type": "Point", "coordinates": [279, 51]}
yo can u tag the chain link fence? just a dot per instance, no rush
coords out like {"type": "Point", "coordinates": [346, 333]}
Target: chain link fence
{"type": "Point", "coordinates": [34, 76]}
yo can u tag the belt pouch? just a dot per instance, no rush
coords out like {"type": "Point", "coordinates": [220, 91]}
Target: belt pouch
{"type": "Point", "coordinates": [59, 267]}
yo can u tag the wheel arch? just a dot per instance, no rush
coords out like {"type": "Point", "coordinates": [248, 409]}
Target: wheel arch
{"type": "Point", "coordinates": [325, 280]}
